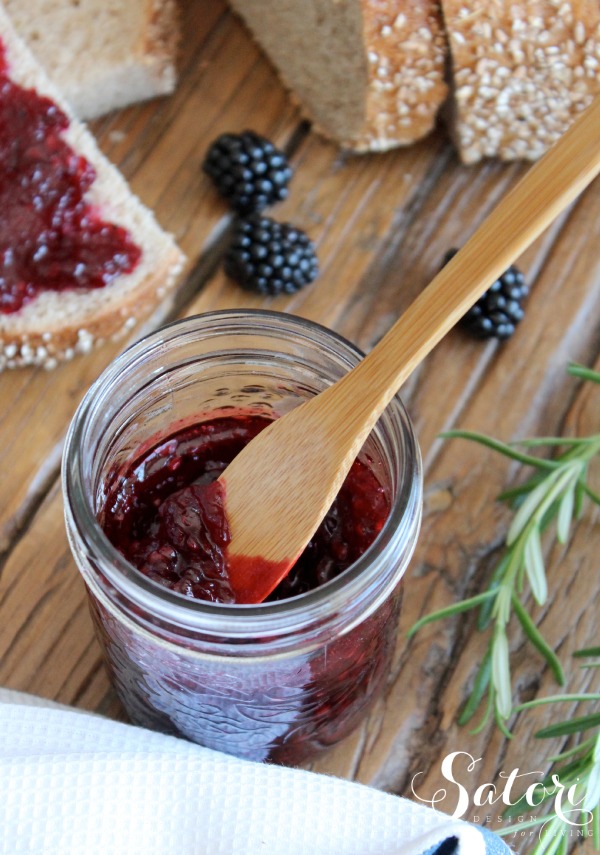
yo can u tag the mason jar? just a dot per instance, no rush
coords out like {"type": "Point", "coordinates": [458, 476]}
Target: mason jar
{"type": "Point", "coordinates": [276, 681]}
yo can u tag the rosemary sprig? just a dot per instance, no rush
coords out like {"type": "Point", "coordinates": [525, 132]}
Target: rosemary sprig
{"type": "Point", "coordinates": [555, 492]}
{"type": "Point", "coordinates": [577, 771]}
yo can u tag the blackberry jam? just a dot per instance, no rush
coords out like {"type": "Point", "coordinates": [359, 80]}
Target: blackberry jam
{"type": "Point", "coordinates": [51, 238]}
{"type": "Point", "coordinates": [277, 681]}
{"type": "Point", "coordinates": [163, 516]}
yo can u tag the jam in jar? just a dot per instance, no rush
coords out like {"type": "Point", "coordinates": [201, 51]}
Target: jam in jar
{"type": "Point", "coordinates": [276, 681]}
{"type": "Point", "coordinates": [164, 517]}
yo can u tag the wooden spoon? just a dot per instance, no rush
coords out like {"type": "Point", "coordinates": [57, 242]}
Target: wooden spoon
{"type": "Point", "coordinates": [279, 488]}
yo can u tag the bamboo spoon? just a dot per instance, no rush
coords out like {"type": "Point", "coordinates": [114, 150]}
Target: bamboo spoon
{"type": "Point", "coordinates": [279, 488]}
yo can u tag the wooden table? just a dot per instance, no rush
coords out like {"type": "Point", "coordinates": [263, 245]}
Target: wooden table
{"type": "Point", "coordinates": [382, 224]}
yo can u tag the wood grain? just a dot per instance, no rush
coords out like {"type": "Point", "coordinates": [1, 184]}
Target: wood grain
{"type": "Point", "coordinates": [302, 459]}
{"type": "Point", "coordinates": [382, 225]}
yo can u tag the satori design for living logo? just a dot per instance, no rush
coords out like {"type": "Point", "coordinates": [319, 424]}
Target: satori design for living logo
{"type": "Point", "coordinates": [460, 801]}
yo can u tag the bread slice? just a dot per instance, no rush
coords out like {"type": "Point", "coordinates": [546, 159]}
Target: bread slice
{"type": "Point", "coordinates": [102, 54]}
{"type": "Point", "coordinates": [368, 73]}
{"type": "Point", "coordinates": [522, 72]}
{"type": "Point", "coordinates": [56, 325]}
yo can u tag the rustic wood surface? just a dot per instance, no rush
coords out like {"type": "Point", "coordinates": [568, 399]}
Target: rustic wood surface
{"type": "Point", "coordinates": [382, 224]}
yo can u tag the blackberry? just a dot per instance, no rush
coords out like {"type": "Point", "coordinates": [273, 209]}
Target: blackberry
{"type": "Point", "coordinates": [269, 257]}
{"type": "Point", "coordinates": [248, 171]}
{"type": "Point", "coordinates": [499, 310]}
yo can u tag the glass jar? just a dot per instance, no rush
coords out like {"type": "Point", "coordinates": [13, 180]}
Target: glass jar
{"type": "Point", "coordinates": [276, 681]}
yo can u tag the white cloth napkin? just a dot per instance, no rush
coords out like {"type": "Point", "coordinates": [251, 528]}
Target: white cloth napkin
{"type": "Point", "coordinates": [73, 783]}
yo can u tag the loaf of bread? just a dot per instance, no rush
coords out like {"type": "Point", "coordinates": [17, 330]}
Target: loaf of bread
{"type": "Point", "coordinates": [55, 324]}
{"type": "Point", "coordinates": [521, 73]}
{"type": "Point", "coordinates": [102, 54]}
{"type": "Point", "coordinates": [368, 73]}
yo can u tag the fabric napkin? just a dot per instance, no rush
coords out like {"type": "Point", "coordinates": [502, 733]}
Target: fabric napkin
{"type": "Point", "coordinates": [74, 783]}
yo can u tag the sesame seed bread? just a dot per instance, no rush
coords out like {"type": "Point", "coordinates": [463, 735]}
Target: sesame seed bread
{"type": "Point", "coordinates": [368, 73]}
{"type": "Point", "coordinates": [522, 72]}
{"type": "Point", "coordinates": [57, 325]}
{"type": "Point", "coordinates": [102, 54]}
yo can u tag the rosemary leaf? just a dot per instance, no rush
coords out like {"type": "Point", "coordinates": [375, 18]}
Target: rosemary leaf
{"type": "Point", "coordinates": [501, 672]}
{"type": "Point", "coordinates": [487, 608]}
{"type": "Point", "coordinates": [584, 372]}
{"type": "Point", "coordinates": [576, 749]}
{"type": "Point", "coordinates": [580, 495]}
{"type": "Point", "coordinates": [536, 638]}
{"type": "Point", "coordinates": [592, 790]}
{"type": "Point", "coordinates": [555, 699]}
{"type": "Point", "coordinates": [565, 515]}
{"type": "Point", "coordinates": [533, 442]}
{"type": "Point", "coordinates": [530, 506]}
{"type": "Point", "coordinates": [587, 651]}
{"type": "Point", "coordinates": [456, 608]}
{"type": "Point", "coordinates": [482, 681]}
{"type": "Point", "coordinates": [575, 725]}
{"type": "Point", "coordinates": [534, 564]}
{"type": "Point", "coordinates": [595, 497]}
{"type": "Point", "coordinates": [487, 714]}
{"type": "Point", "coordinates": [502, 447]}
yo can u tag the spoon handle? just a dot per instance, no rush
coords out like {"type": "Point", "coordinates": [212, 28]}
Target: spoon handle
{"type": "Point", "coordinates": [302, 458]}
{"type": "Point", "coordinates": [547, 188]}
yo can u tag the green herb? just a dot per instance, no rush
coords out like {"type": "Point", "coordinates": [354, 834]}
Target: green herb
{"type": "Point", "coordinates": [555, 492]}
{"type": "Point", "coordinates": [577, 770]}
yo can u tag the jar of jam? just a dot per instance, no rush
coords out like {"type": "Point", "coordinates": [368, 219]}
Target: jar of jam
{"type": "Point", "coordinates": [276, 681]}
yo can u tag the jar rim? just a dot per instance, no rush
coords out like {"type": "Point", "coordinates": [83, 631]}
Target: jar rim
{"type": "Point", "coordinates": [239, 620]}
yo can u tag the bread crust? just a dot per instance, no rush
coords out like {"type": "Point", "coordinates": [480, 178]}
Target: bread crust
{"type": "Point", "coordinates": [161, 42]}
{"type": "Point", "coordinates": [522, 73]}
{"type": "Point", "coordinates": [404, 52]}
{"type": "Point", "coordinates": [57, 325]}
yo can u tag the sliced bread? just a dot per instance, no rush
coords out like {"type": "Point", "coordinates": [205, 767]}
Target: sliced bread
{"type": "Point", "coordinates": [55, 325]}
{"type": "Point", "coordinates": [368, 73]}
{"type": "Point", "coordinates": [522, 72]}
{"type": "Point", "coordinates": [102, 54]}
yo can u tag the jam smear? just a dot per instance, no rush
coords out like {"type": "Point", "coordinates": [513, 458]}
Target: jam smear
{"type": "Point", "coordinates": [51, 238]}
{"type": "Point", "coordinates": [164, 513]}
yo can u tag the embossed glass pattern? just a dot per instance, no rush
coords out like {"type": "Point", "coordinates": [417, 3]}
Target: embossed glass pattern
{"type": "Point", "coordinates": [278, 681]}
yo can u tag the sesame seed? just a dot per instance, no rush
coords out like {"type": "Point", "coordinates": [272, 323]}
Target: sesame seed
{"type": "Point", "coordinates": [464, 92]}
{"type": "Point", "coordinates": [85, 341]}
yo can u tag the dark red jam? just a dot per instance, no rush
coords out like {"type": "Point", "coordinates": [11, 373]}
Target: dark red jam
{"type": "Point", "coordinates": [50, 236]}
{"type": "Point", "coordinates": [163, 516]}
